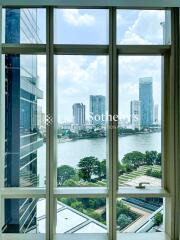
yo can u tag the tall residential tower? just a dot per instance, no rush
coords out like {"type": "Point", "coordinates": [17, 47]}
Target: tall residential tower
{"type": "Point", "coordinates": [97, 109]}
{"type": "Point", "coordinates": [135, 114]}
{"type": "Point", "coordinates": [79, 110]}
{"type": "Point", "coordinates": [21, 131]}
{"type": "Point", "coordinates": [146, 101]}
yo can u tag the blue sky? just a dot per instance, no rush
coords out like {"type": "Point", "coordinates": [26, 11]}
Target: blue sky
{"type": "Point", "coordinates": [79, 76]}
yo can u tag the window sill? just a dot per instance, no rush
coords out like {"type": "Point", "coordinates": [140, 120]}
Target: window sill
{"type": "Point", "coordinates": [81, 191]}
{"type": "Point", "coordinates": [142, 236]}
{"type": "Point", "coordinates": [147, 192]}
{"type": "Point", "coordinates": [88, 236]}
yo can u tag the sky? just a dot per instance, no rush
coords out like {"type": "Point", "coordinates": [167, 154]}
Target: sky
{"type": "Point", "coordinates": [77, 77]}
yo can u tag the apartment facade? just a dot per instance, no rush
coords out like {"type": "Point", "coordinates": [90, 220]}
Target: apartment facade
{"type": "Point", "coordinates": [21, 133]}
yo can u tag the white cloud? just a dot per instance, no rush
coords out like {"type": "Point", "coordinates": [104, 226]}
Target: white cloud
{"type": "Point", "coordinates": [146, 29]}
{"type": "Point", "coordinates": [120, 19]}
{"type": "Point", "coordinates": [76, 18]}
{"type": "Point", "coordinates": [78, 77]}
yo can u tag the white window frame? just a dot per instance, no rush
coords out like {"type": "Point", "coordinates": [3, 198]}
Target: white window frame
{"type": "Point", "coordinates": [170, 137]}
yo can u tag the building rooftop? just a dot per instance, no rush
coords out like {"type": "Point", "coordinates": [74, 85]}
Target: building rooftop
{"type": "Point", "coordinates": [69, 220]}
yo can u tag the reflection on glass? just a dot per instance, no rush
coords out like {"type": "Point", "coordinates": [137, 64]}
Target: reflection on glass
{"type": "Point", "coordinates": [25, 25]}
{"type": "Point", "coordinates": [81, 215]}
{"type": "Point", "coordinates": [25, 129]}
{"type": "Point", "coordinates": [81, 131]}
{"type": "Point", "coordinates": [143, 27]}
{"type": "Point", "coordinates": [140, 215]}
{"type": "Point", "coordinates": [81, 26]}
{"type": "Point", "coordinates": [24, 215]}
{"type": "Point", "coordinates": [139, 126]}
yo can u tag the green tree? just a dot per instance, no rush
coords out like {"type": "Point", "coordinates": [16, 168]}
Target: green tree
{"type": "Point", "coordinates": [88, 167]}
{"type": "Point", "coordinates": [154, 173]}
{"type": "Point", "coordinates": [70, 183]}
{"type": "Point", "coordinates": [77, 205]}
{"type": "Point", "coordinates": [158, 219]}
{"type": "Point", "coordinates": [151, 157]}
{"type": "Point", "coordinates": [123, 221]}
{"type": "Point", "coordinates": [133, 160]}
{"type": "Point", "coordinates": [64, 173]}
{"type": "Point", "coordinates": [158, 159]}
{"type": "Point", "coordinates": [103, 168]}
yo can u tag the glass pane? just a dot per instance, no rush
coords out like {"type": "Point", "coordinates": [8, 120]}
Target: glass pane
{"type": "Point", "coordinates": [140, 120]}
{"type": "Point", "coordinates": [140, 215]}
{"type": "Point", "coordinates": [25, 111]}
{"type": "Point", "coordinates": [81, 26]}
{"type": "Point", "coordinates": [143, 27]}
{"type": "Point", "coordinates": [81, 215]}
{"type": "Point", "coordinates": [81, 133]}
{"type": "Point", "coordinates": [25, 25]}
{"type": "Point", "coordinates": [23, 215]}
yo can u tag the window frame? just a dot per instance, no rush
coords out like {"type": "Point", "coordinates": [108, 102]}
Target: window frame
{"type": "Point", "coordinates": [171, 115]}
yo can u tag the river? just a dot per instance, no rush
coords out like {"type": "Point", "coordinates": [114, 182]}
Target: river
{"type": "Point", "coordinates": [71, 152]}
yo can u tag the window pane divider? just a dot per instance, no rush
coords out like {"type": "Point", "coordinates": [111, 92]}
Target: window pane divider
{"type": "Point", "coordinates": [23, 48]}
{"type": "Point", "coordinates": [22, 236]}
{"type": "Point", "coordinates": [18, 192]}
{"type": "Point", "coordinates": [112, 138]}
{"type": "Point", "coordinates": [147, 192]}
{"type": "Point", "coordinates": [81, 192]}
{"type": "Point", "coordinates": [75, 49]}
{"type": "Point", "coordinates": [133, 4]}
{"type": "Point", "coordinates": [142, 236]}
{"type": "Point", "coordinates": [143, 49]}
{"type": "Point", "coordinates": [50, 155]}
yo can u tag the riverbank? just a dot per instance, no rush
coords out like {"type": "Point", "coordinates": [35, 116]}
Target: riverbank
{"type": "Point", "coordinates": [64, 140]}
{"type": "Point", "coordinates": [70, 152]}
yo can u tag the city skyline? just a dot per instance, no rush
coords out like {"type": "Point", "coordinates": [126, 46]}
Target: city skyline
{"type": "Point", "coordinates": [81, 76]}
{"type": "Point", "coordinates": [97, 107]}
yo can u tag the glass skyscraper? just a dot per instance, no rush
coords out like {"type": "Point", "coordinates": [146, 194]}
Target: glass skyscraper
{"type": "Point", "coordinates": [97, 109]}
{"type": "Point", "coordinates": [79, 110]}
{"type": "Point", "coordinates": [21, 132]}
{"type": "Point", "coordinates": [146, 101]}
{"type": "Point", "coordinates": [135, 114]}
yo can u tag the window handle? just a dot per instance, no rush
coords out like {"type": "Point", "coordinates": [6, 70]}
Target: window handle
{"type": "Point", "coordinates": [141, 185]}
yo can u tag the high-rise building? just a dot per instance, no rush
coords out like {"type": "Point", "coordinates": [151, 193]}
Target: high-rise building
{"type": "Point", "coordinates": [21, 132]}
{"type": "Point", "coordinates": [97, 109]}
{"type": "Point", "coordinates": [146, 101]}
{"type": "Point", "coordinates": [156, 112]}
{"type": "Point", "coordinates": [79, 110]}
{"type": "Point", "coordinates": [135, 114]}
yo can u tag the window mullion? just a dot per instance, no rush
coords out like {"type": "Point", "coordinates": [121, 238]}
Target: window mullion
{"type": "Point", "coordinates": [112, 131]}
{"type": "Point", "coordinates": [175, 63]}
{"type": "Point", "coordinates": [50, 166]}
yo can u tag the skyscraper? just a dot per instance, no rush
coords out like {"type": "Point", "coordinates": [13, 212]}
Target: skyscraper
{"type": "Point", "coordinates": [146, 101]}
{"type": "Point", "coordinates": [156, 112]}
{"type": "Point", "coordinates": [21, 131]}
{"type": "Point", "coordinates": [79, 113]}
{"type": "Point", "coordinates": [135, 114]}
{"type": "Point", "coordinates": [97, 109]}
